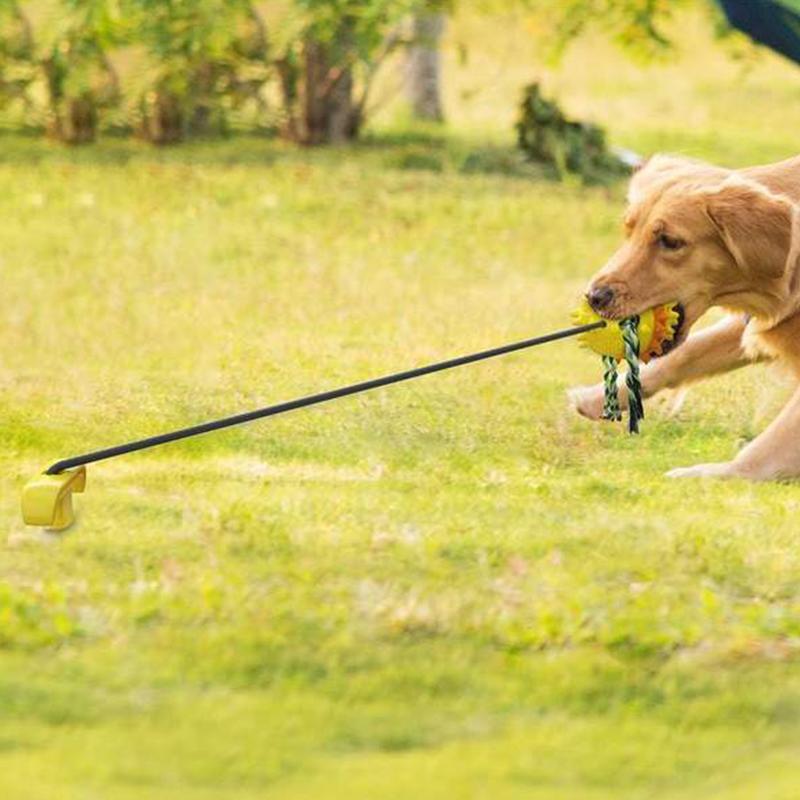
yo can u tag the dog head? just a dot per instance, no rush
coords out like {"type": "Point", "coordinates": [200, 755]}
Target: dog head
{"type": "Point", "coordinates": [703, 236]}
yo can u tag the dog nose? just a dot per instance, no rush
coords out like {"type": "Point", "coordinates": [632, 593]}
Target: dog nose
{"type": "Point", "coordinates": [600, 297]}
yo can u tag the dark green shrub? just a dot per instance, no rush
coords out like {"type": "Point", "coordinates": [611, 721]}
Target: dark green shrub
{"type": "Point", "coordinates": [547, 136]}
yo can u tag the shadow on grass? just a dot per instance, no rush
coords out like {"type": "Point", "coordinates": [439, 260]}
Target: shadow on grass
{"type": "Point", "coordinates": [429, 150]}
{"type": "Point", "coordinates": [434, 150]}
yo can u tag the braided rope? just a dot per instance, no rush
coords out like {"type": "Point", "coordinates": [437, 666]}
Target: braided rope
{"type": "Point", "coordinates": [630, 338]}
{"type": "Point", "coordinates": [611, 409]}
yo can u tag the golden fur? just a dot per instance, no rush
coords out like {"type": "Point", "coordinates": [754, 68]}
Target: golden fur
{"type": "Point", "coordinates": [707, 236]}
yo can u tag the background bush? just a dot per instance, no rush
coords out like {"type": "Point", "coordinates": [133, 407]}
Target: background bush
{"type": "Point", "coordinates": [302, 69]}
{"type": "Point", "coordinates": [165, 69]}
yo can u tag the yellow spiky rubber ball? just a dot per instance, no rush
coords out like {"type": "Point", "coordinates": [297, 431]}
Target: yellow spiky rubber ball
{"type": "Point", "coordinates": [657, 326]}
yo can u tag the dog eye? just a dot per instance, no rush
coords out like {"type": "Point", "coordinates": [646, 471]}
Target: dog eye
{"type": "Point", "coordinates": [667, 242]}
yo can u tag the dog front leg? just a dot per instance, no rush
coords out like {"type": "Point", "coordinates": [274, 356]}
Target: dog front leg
{"type": "Point", "coordinates": [772, 455]}
{"type": "Point", "coordinates": [711, 351]}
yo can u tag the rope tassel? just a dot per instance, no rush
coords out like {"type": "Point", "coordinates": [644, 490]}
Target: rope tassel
{"type": "Point", "coordinates": [611, 408]}
{"type": "Point", "coordinates": [630, 338]}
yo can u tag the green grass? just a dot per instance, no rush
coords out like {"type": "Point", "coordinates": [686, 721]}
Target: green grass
{"type": "Point", "coordinates": [450, 589]}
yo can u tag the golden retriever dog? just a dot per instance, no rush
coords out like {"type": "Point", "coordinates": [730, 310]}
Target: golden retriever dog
{"type": "Point", "coordinates": [707, 236]}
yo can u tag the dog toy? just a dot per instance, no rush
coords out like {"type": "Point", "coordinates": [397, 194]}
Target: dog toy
{"type": "Point", "coordinates": [633, 339]}
{"type": "Point", "coordinates": [47, 499]}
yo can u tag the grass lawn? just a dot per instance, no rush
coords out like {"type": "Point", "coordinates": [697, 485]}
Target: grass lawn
{"type": "Point", "coordinates": [449, 589]}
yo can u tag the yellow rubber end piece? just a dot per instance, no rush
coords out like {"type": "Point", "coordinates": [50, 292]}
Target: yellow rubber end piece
{"type": "Point", "coordinates": [47, 499]}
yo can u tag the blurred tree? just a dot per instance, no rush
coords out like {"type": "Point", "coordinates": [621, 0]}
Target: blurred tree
{"type": "Point", "coordinates": [67, 51]}
{"type": "Point", "coordinates": [327, 69]}
{"type": "Point", "coordinates": [18, 68]}
{"type": "Point", "coordinates": [637, 25]}
{"type": "Point", "coordinates": [80, 78]}
{"type": "Point", "coordinates": [423, 77]}
{"type": "Point", "coordinates": [309, 73]}
{"type": "Point", "coordinates": [194, 48]}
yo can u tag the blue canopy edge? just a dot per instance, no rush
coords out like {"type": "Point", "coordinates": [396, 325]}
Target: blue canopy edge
{"type": "Point", "coordinates": [774, 23]}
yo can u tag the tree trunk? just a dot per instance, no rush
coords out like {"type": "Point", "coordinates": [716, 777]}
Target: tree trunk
{"type": "Point", "coordinates": [79, 122]}
{"type": "Point", "coordinates": [327, 108]}
{"type": "Point", "coordinates": [343, 116]}
{"type": "Point", "coordinates": [72, 120]}
{"type": "Point", "coordinates": [162, 118]}
{"type": "Point", "coordinates": [313, 113]}
{"type": "Point", "coordinates": [424, 67]}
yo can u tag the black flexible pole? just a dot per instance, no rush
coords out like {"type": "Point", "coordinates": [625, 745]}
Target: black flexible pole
{"type": "Point", "coordinates": [312, 400]}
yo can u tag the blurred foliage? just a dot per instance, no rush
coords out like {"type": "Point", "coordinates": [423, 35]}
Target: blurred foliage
{"type": "Point", "coordinates": [637, 25]}
{"type": "Point", "coordinates": [328, 67]}
{"type": "Point", "coordinates": [643, 28]}
{"type": "Point", "coordinates": [54, 63]}
{"type": "Point", "coordinates": [200, 56]}
{"type": "Point", "coordinates": [547, 136]}
{"type": "Point", "coordinates": [165, 69]}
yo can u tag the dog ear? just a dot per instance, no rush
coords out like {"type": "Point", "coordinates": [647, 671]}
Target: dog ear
{"type": "Point", "coordinates": [757, 227]}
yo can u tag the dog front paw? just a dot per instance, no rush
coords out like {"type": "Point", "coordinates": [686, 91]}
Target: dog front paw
{"type": "Point", "coordinates": [588, 401]}
{"type": "Point", "coordinates": [722, 469]}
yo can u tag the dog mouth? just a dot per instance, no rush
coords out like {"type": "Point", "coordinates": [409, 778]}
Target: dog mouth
{"type": "Point", "coordinates": [680, 330]}
{"type": "Point", "coordinates": [679, 334]}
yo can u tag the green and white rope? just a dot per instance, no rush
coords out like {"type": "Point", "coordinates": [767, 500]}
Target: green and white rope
{"type": "Point", "coordinates": [630, 338]}
{"type": "Point", "coordinates": [633, 382]}
{"type": "Point", "coordinates": [611, 409]}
